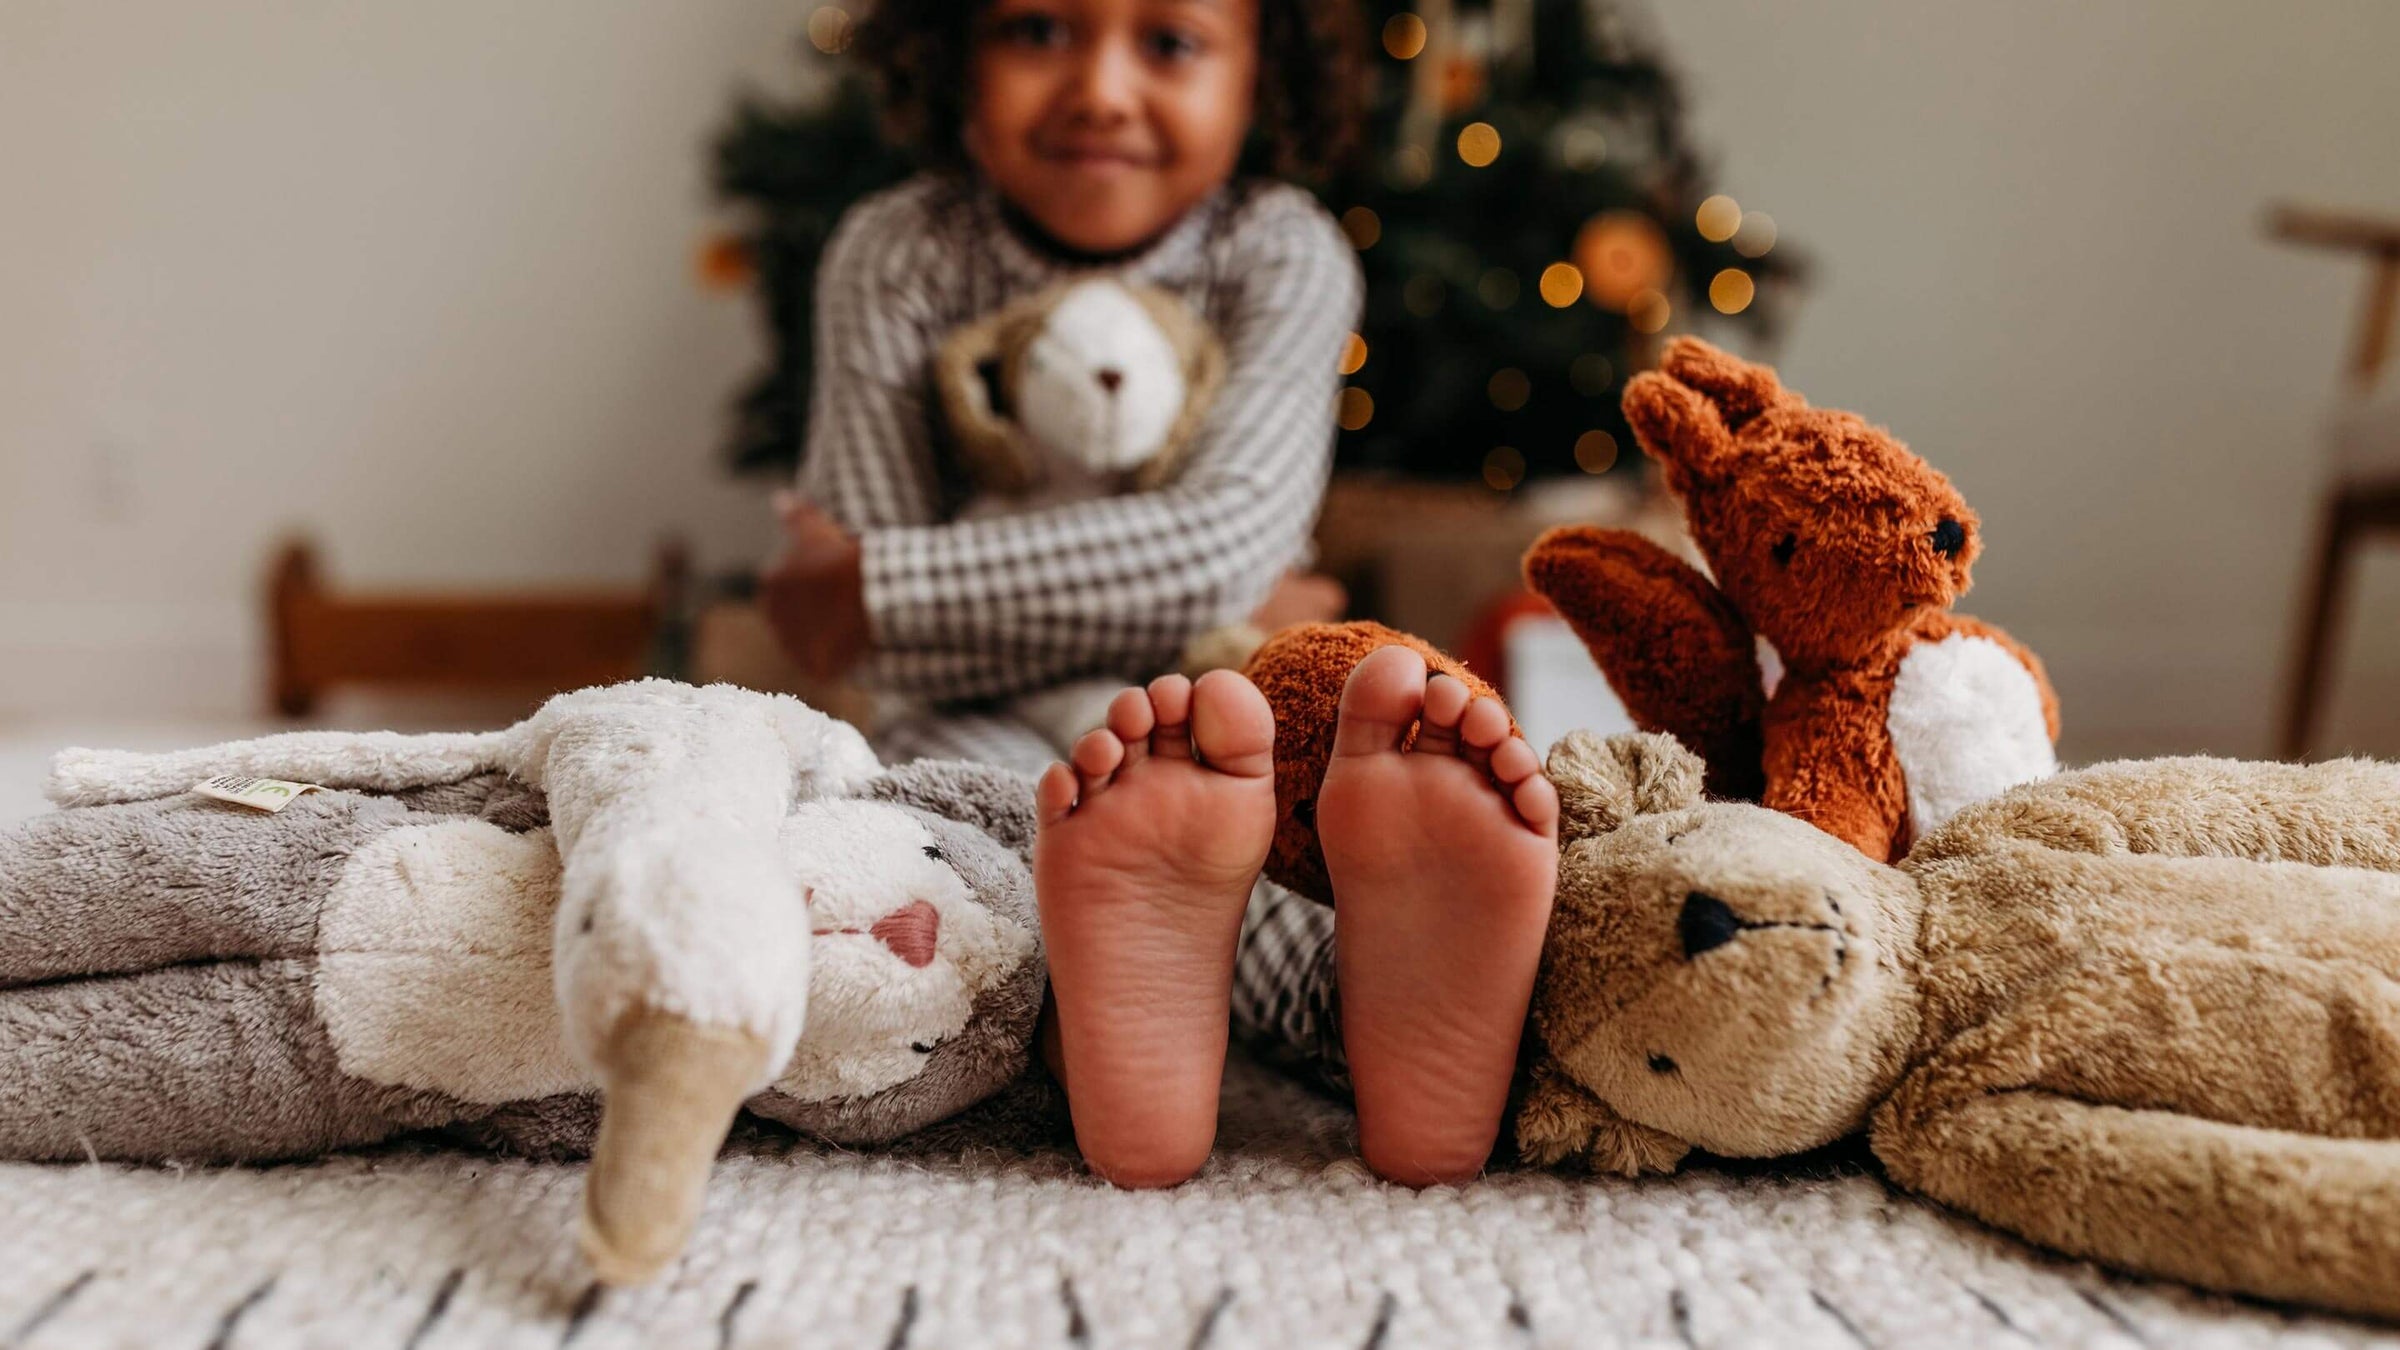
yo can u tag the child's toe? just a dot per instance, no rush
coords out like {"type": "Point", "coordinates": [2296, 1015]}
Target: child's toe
{"type": "Point", "coordinates": [1232, 725]}
{"type": "Point", "coordinates": [1380, 702]}
{"type": "Point", "coordinates": [1513, 761]}
{"type": "Point", "coordinates": [1171, 711]}
{"type": "Point", "coordinates": [1537, 804]}
{"type": "Point", "coordinates": [1484, 725]}
{"type": "Point", "coordinates": [1054, 795]}
{"type": "Point", "coordinates": [1096, 757]}
{"type": "Point", "coordinates": [1446, 700]}
{"type": "Point", "coordinates": [1131, 720]}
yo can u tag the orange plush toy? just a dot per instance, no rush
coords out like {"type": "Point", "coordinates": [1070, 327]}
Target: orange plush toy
{"type": "Point", "coordinates": [1302, 671]}
{"type": "Point", "coordinates": [1844, 552]}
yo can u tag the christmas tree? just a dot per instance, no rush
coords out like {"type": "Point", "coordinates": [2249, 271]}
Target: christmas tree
{"type": "Point", "coordinates": [1530, 214]}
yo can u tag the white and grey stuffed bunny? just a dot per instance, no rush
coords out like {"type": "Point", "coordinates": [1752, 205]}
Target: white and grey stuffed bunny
{"type": "Point", "coordinates": [607, 929]}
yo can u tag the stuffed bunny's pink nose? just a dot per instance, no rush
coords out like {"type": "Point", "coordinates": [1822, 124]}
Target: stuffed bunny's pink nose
{"type": "Point", "coordinates": [910, 931]}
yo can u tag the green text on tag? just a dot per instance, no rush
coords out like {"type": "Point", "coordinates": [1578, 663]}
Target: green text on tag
{"type": "Point", "coordinates": [263, 794]}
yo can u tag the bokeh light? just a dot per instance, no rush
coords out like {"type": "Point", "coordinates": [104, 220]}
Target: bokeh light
{"type": "Point", "coordinates": [1498, 287]}
{"type": "Point", "coordinates": [829, 30]}
{"type": "Point", "coordinates": [1718, 218]}
{"type": "Point", "coordinates": [1355, 409]}
{"type": "Point", "coordinates": [1503, 468]}
{"type": "Point", "coordinates": [1561, 285]}
{"type": "Point", "coordinates": [1756, 236]}
{"type": "Point", "coordinates": [1621, 254]}
{"type": "Point", "coordinates": [1731, 291]}
{"type": "Point", "coordinates": [1404, 36]}
{"type": "Point", "coordinates": [1354, 354]}
{"type": "Point", "coordinates": [1583, 148]}
{"type": "Point", "coordinates": [1595, 452]}
{"type": "Point", "coordinates": [724, 263]}
{"type": "Point", "coordinates": [1411, 167]}
{"type": "Point", "coordinates": [1509, 388]}
{"type": "Point", "coordinates": [1478, 144]}
{"type": "Point", "coordinates": [1591, 374]}
{"type": "Point", "coordinates": [1363, 226]}
{"type": "Point", "coordinates": [1649, 311]}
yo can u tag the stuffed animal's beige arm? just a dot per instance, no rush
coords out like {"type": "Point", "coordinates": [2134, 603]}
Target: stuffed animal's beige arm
{"type": "Point", "coordinates": [2343, 813]}
{"type": "Point", "coordinates": [2263, 1212]}
{"type": "Point", "coordinates": [681, 949]}
{"type": "Point", "coordinates": [1559, 1122]}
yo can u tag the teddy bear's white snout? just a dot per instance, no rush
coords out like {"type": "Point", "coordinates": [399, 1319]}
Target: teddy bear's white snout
{"type": "Point", "coordinates": [1103, 384]}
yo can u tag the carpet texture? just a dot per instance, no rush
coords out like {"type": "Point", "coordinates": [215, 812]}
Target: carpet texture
{"type": "Point", "coordinates": [1284, 1241]}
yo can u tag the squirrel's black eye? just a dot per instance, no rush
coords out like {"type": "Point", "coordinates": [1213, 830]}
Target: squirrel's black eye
{"type": "Point", "coordinates": [1785, 548]}
{"type": "Point", "coordinates": [1305, 811]}
{"type": "Point", "coordinates": [1949, 537]}
{"type": "Point", "coordinates": [922, 1047]}
{"type": "Point", "coordinates": [1661, 1064]}
{"type": "Point", "coordinates": [934, 851]}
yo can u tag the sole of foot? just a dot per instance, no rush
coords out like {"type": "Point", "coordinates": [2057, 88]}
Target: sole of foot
{"type": "Point", "coordinates": [1443, 852]}
{"type": "Point", "coordinates": [1151, 836]}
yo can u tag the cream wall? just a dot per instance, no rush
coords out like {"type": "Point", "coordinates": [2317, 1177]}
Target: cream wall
{"type": "Point", "coordinates": [412, 276]}
{"type": "Point", "coordinates": [415, 276]}
{"type": "Point", "coordinates": [2036, 230]}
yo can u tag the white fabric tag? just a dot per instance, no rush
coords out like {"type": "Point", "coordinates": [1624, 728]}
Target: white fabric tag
{"type": "Point", "coordinates": [264, 794]}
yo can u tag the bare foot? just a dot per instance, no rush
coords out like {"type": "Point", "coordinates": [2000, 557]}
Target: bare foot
{"type": "Point", "coordinates": [1443, 858]}
{"type": "Point", "coordinates": [1143, 866]}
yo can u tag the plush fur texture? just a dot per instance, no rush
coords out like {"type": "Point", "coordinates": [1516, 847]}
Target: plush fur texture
{"type": "Point", "coordinates": [1302, 671]}
{"type": "Point", "coordinates": [1077, 391]}
{"type": "Point", "coordinates": [636, 878]}
{"type": "Point", "coordinates": [1083, 390]}
{"type": "Point", "coordinates": [1843, 551]}
{"type": "Point", "coordinates": [2146, 1013]}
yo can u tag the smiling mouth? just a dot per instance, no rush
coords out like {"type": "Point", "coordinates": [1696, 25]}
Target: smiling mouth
{"type": "Point", "coordinates": [1095, 158]}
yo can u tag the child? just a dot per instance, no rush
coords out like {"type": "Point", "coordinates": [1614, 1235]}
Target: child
{"type": "Point", "coordinates": [1107, 133]}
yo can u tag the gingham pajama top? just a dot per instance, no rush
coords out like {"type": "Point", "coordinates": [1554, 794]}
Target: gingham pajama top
{"type": "Point", "coordinates": [967, 611]}
{"type": "Point", "coordinates": [993, 607]}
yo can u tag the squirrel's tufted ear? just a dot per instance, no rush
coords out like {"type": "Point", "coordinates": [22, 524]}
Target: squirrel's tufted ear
{"type": "Point", "coordinates": [997, 801]}
{"type": "Point", "coordinates": [1680, 428]}
{"type": "Point", "coordinates": [1604, 783]}
{"type": "Point", "coordinates": [1740, 389]}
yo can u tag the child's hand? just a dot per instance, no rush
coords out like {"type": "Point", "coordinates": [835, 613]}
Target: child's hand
{"type": "Point", "coordinates": [814, 595]}
{"type": "Point", "coordinates": [1301, 597]}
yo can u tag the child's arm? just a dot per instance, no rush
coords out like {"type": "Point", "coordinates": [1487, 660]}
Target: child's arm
{"type": "Point", "coordinates": [986, 608]}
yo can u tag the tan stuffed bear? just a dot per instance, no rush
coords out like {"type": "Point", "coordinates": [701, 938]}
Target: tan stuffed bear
{"type": "Point", "coordinates": [2145, 1013]}
{"type": "Point", "coordinates": [1086, 389]}
{"type": "Point", "coordinates": [1082, 390]}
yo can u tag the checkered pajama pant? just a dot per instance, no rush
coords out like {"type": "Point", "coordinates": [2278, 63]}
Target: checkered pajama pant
{"type": "Point", "coordinates": [1285, 1007]}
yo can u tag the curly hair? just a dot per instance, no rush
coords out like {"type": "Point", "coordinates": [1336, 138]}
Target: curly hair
{"type": "Point", "coordinates": [1312, 79]}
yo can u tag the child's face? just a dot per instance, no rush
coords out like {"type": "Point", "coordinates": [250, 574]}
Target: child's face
{"type": "Point", "coordinates": [1106, 120]}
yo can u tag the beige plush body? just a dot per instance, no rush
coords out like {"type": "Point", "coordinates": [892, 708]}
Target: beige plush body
{"type": "Point", "coordinates": [2147, 1013]}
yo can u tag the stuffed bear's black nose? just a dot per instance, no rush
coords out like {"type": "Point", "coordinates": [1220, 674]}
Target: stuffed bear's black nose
{"type": "Point", "coordinates": [1706, 923]}
{"type": "Point", "coordinates": [1949, 537]}
{"type": "Point", "coordinates": [1110, 379]}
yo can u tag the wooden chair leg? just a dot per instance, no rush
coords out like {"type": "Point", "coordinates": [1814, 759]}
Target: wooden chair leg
{"type": "Point", "coordinates": [2328, 583]}
{"type": "Point", "coordinates": [291, 587]}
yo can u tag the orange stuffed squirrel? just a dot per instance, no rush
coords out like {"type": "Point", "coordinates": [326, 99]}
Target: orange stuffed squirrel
{"type": "Point", "coordinates": [1844, 551]}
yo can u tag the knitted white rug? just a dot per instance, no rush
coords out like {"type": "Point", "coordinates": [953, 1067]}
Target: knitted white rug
{"type": "Point", "coordinates": [1284, 1241]}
